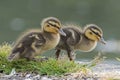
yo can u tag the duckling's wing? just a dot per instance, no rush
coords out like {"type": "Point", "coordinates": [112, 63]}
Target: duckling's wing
{"type": "Point", "coordinates": [39, 40]}
{"type": "Point", "coordinates": [73, 35]}
{"type": "Point", "coordinates": [26, 43]}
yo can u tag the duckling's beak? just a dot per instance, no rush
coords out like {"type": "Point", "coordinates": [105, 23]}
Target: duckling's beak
{"type": "Point", "coordinates": [62, 32]}
{"type": "Point", "coordinates": [102, 40]}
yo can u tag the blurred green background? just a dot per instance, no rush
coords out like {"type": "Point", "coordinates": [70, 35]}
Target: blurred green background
{"type": "Point", "coordinates": [17, 16]}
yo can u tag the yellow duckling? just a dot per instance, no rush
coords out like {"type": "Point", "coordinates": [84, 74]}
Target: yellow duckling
{"type": "Point", "coordinates": [77, 39]}
{"type": "Point", "coordinates": [35, 42]}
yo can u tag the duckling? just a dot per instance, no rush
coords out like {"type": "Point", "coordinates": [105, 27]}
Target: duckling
{"type": "Point", "coordinates": [35, 42]}
{"type": "Point", "coordinates": [79, 39]}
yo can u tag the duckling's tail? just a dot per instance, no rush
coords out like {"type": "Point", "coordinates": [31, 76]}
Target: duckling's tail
{"type": "Point", "coordinates": [13, 56]}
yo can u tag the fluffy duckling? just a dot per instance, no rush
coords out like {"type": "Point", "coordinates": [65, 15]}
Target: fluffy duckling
{"type": "Point", "coordinates": [35, 42]}
{"type": "Point", "coordinates": [77, 39]}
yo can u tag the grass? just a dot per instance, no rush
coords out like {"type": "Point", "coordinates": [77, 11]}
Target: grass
{"type": "Point", "coordinates": [50, 67]}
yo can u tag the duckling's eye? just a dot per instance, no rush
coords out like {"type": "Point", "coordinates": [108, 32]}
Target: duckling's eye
{"type": "Point", "coordinates": [91, 33]}
{"type": "Point", "coordinates": [54, 25]}
{"type": "Point", "coordinates": [48, 25]}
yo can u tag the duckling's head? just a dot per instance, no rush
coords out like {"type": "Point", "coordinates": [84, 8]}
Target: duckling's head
{"type": "Point", "coordinates": [95, 33]}
{"type": "Point", "coordinates": [52, 25]}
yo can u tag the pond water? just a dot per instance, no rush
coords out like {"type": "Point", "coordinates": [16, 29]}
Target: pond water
{"type": "Point", "coordinates": [109, 68]}
{"type": "Point", "coordinates": [108, 65]}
